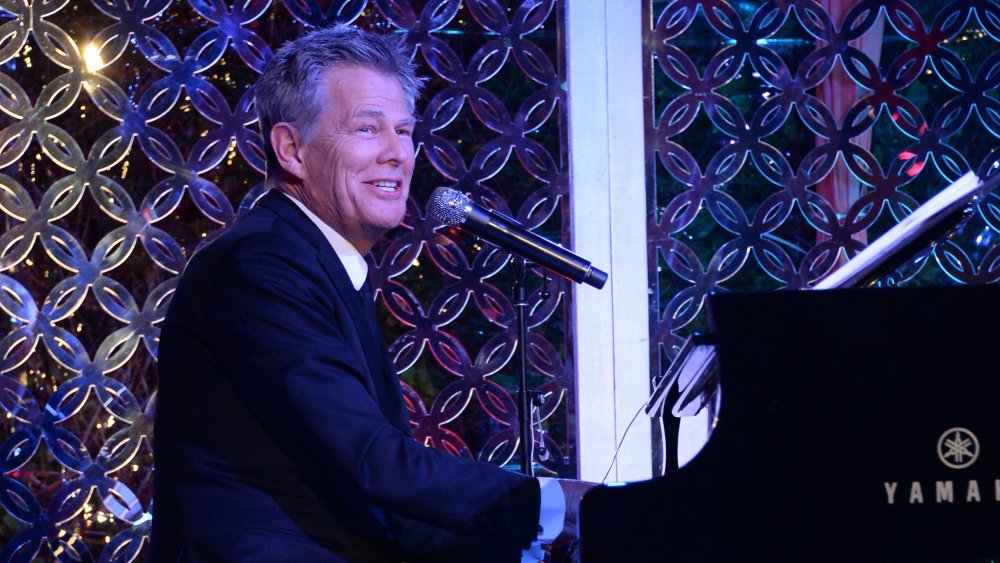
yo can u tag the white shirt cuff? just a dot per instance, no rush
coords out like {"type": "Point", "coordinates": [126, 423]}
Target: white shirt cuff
{"type": "Point", "coordinates": [552, 513]}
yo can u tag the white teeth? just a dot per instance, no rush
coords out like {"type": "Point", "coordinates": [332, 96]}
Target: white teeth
{"type": "Point", "coordinates": [387, 186]}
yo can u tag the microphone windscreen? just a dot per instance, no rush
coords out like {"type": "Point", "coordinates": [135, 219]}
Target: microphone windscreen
{"type": "Point", "coordinates": [448, 206]}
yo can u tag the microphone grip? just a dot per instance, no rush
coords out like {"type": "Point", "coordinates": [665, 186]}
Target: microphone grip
{"type": "Point", "coordinates": [503, 231]}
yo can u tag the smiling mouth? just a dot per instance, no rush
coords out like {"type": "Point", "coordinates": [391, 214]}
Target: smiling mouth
{"type": "Point", "coordinates": [386, 185]}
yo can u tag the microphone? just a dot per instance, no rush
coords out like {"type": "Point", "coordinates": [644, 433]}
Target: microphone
{"type": "Point", "coordinates": [455, 209]}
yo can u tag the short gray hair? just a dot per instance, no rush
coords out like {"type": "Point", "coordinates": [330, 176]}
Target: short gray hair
{"type": "Point", "coordinates": [289, 88]}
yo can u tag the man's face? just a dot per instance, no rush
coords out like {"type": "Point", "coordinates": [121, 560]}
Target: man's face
{"type": "Point", "coordinates": [357, 156]}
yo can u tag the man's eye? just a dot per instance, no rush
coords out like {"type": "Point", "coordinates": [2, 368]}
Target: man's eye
{"type": "Point", "coordinates": [406, 132]}
{"type": "Point", "coordinates": [365, 129]}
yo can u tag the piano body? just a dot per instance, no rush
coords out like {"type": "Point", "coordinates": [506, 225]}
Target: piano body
{"type": "Point", "coordinates": [855, 425]}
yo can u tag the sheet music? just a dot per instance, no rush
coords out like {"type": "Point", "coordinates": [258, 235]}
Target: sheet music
{"type": "Point", "coordinates": [955, 197]}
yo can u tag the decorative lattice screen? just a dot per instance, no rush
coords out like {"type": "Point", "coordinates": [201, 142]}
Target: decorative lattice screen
{"type": "Point", "coordinates": [783, 136]}
{"type": "Point", "coordinates": [128, 139]}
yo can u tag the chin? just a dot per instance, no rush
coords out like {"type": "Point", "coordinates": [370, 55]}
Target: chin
{"type": "Point", "coordinates": [393, 221]}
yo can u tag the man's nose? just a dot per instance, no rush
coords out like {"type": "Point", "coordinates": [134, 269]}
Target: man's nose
{"type": "Point", "coordinates": [396, 147]}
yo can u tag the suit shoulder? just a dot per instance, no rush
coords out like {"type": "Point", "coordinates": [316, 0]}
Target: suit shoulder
{"type": "Point", "coordinates": [260, 231]}
{"type": "Point", "coordinates": [257, 245]}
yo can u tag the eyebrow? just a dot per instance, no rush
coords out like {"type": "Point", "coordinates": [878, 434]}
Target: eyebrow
{"type": "Point", "coordinates": [410, 120]}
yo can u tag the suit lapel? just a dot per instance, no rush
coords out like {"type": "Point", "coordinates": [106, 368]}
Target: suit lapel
{"type": "Point", "coordinates": [382, 381]}
{"type": "Point", "coordinates": [382, 368]}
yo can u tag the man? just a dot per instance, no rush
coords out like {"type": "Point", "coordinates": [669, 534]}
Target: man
{"type": "Point", "coordinates": [281, 433]}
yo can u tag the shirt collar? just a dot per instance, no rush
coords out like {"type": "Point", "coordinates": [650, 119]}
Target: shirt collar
{"type": "Point", "coordinates": [354, 262]}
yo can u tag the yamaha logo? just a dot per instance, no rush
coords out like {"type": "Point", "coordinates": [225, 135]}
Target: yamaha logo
{"type": "Point", "coordinates": [958, 448]}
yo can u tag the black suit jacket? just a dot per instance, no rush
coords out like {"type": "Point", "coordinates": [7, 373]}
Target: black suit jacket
{"type": "Point", "coordinates": [275, 440]}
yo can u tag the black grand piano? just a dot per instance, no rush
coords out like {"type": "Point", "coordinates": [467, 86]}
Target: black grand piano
{"type": "Point", "coordinates": [869, 447]}
{"type": "Point", "coordinates": [854, 425]}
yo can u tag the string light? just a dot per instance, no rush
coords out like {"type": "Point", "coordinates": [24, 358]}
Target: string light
{"type": "Point", "coordinates": [92, 62]}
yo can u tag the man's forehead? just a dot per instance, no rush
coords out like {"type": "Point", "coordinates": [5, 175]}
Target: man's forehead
{"type": "Point", "coordinates": [366, 92]}
{"type": "Point", "coordinates": [380, 114]}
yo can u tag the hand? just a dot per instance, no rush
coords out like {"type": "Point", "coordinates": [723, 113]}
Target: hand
{"type": "Point", "coordinates": [573, 491]}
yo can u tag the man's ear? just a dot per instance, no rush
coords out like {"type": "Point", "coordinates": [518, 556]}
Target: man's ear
{"type": "Point", "coordinates": [286, 142]}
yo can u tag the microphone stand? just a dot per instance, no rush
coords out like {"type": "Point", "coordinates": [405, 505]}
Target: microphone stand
{"type": "Point", "coordinates": [524, 397]}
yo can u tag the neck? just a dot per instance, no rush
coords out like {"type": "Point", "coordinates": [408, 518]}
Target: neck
{"type": "Point", "coordinates": [362, 244]}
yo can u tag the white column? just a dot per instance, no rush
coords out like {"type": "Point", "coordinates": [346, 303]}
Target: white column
{"type": "Point", "coordinates": [604, 64]}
